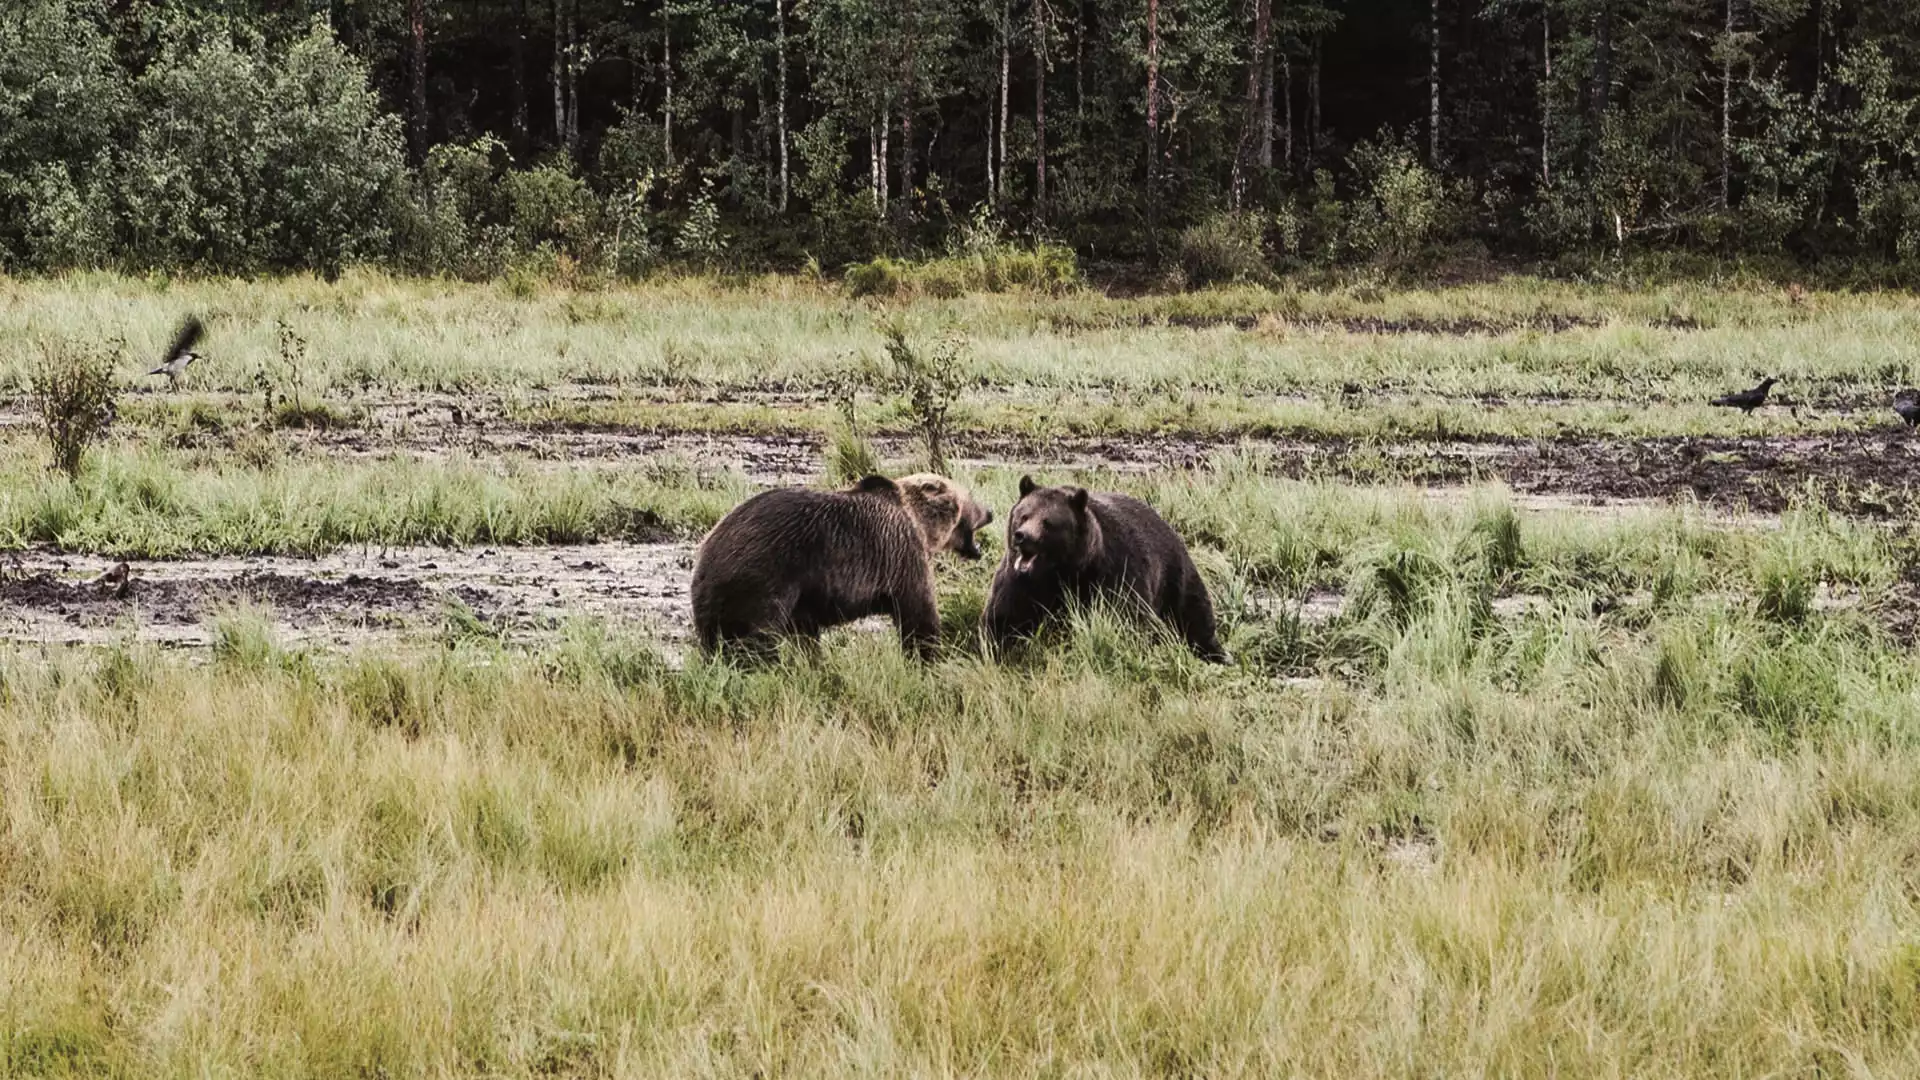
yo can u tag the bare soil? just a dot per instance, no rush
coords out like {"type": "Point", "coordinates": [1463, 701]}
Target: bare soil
{"type": "Point", "coordinates": [349, 597]}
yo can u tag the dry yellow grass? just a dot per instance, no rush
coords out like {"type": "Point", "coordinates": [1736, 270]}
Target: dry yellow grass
{"type": "Point", "coordinates": [581, 862]}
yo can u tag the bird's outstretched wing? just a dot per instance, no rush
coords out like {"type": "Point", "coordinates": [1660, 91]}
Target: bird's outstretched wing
{"type": "Point", "coordinates": [189, 336]}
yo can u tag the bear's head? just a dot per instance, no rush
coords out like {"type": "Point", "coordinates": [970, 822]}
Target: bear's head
{"type": "Point", "coordinates": [1050, 529]}
{"type": "Point", "coordinates": [947, 514]}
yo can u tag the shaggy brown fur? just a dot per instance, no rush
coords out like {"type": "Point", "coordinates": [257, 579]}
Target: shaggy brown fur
{"type": "Point", "coordinates": [792, 563]}
{"type": "Point", "coordinates": [1066, 544]}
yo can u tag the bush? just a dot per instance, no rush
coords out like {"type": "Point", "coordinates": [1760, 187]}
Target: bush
{"type": "Point", "coordinates": [930, 383]}
{"type": "Point", "coordinates": [1404, 206]}
{"type": "Point", "coordinates": [881, 277]}
{"type": "Point", "coordinates": [64, 104]}
{"type": "Point", "coordinates": [548, 206]}
{"type": "Point", "coordinates": [223, 126]}
{"type": "Point", "coordinates": [1045, 268]}
{"type": "Point", "coordinates": [1223, 248]}
{"type": "Point", "coordinates": [457, 227]}
{"type": "Point", "coordinates": [74, 393]}
{"type": "Point", "coordinates": [849, 457]}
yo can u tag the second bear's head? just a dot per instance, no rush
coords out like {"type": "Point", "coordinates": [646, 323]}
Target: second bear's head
{"type": "Point", "coordinates": [946, 513]}
{"type": "Point", "coordinates": [1050, 529]}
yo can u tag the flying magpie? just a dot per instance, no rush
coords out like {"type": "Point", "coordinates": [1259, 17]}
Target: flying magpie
{"type": "Point", "coordinates": [181, 353]}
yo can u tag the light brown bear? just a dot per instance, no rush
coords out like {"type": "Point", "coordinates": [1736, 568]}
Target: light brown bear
{"type": "Point", "coordinates": [794, 562]}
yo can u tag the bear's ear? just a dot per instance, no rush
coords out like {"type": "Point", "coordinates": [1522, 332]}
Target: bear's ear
{"type": "Point", "coordinates": [875, 484]}
{"type": "Point", "coordinates": [1027, 486]}
{"type": "Point", "coordinates": [1077, 498]}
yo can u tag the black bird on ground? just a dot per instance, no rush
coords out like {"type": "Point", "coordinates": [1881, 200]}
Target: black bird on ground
{"type": "Point", "coordinates": [181, 353]}
{"type": "Point", "coordinates": [1907, 404]}
{"type": "Point", "coordinates": [1748, 400]}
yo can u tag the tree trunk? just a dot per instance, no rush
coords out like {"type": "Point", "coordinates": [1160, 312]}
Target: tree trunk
{"type": "Point", "coordinates": [993, 196]}
{"type": "Point", "coordinates": [1263, 31]}
{"type": "Point", "coordinates": [1006, 68]}
{"type": "Point", "coordinates": [1286, 94]}
{"type": "Point", "coordinates": [518, 86]}
{"type": "Point", "coordinates": [1153, 104]}
{"type": "Point", "coordinates": [1726, 113]}
{"type": "Point", "coordinates": [559, 71]}
{"type": "Point", "coordinates": [906, 153]}
{"type": "Point", "coordinates": [1250, 122]}
{"type": "Point", "coordinates": [886, 191]}
{"type": "Point", "coordinates": [666, 79]}
{"type": "Point", "coordinates": [1313, 104]}
{"type": "Point", "coordinates": [780, 95]}
{"type": "Point", "coordinates": [1433, 86]}
{"type": "Point", "coordinates": [1546, 95]}
{"type": "Point", "coordinates": [417, 82]}
{"type": "Point", "coordinates": [1601, 89]}
{"type": "Point", "coordinates": [573, 78]}
{"type": "Point", "coordinates": [1079, 71]}
{"type": "Point", "coordinates": [873, 163]}
{"type": "Point", "coordinates": [1040, 109]}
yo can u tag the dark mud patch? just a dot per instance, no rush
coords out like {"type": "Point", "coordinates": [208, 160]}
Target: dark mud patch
{"type": "Point", "coordinates": [183, 601]}
{"type": "Point", "coordinates": [1863, 474]}
{"type": "Point", "coordinates": [519, 594]}
{"type": "Point", "coordinates": [1867, 475]}
{"type": "Point", "coordinates": [183, 609]}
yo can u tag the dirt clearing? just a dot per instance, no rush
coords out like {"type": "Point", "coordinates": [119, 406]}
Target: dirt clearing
{"type": "Point", "coordinates": [347, 598]}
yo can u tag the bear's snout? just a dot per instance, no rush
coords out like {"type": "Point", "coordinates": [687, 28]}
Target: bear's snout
{"type": "Point", "coordinates": [1026, 549]}
{"type": "Point", "coordinates": [966, 548]}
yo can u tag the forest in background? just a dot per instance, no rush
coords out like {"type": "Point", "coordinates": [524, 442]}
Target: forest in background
{"type": "Point", "coordinates": [1218, 139]}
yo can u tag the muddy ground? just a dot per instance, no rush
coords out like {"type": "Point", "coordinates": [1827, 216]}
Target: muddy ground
{"type": "Point", "coordinates": [1871, 473]}
{"type": "Point", "coordinates": [349, 597]}
{"type": "Point", "coordinates": [516, 596]}
{"type": "Point", "coordinates": [526, 594]}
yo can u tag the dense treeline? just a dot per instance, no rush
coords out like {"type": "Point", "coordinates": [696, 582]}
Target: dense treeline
{"type": "Point", "coordinates": [1224, 137]}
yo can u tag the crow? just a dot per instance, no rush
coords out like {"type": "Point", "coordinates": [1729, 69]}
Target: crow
{"type": "Point", "coordinates": [181, 353]}
{"type": "Point", "coordinates": [1907, 404]}
{"type": "Point", "coordinates": [1748, 400]}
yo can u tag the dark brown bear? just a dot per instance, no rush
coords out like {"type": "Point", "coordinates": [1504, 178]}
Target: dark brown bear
{"type": "Point", "coordinates": [1064, 543]}
{"type": "Point", "coordinates": [792, 563]}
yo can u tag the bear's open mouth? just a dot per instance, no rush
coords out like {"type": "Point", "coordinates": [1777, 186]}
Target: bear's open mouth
{"type": "Point", "coordinates": [1023, 562]}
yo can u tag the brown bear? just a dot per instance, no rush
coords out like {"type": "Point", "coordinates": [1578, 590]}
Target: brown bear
{"type": "Point", "coordinates": [1067, 544]}
{"type": "Point", "coordinates": [793, 562]}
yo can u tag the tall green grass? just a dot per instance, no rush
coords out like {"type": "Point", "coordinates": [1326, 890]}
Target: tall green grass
{"type": "Point", "coordinates": [1673, 344]}
{"type": "Point", "coordinates": [133, 502]}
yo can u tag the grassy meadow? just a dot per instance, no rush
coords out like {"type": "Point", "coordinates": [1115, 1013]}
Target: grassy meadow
{"type": "Point", "coordinates": [1497, 785]}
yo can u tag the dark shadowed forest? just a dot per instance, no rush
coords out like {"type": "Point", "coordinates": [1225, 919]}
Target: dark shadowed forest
{"type": "Point", "coordinates": [1203, 139]}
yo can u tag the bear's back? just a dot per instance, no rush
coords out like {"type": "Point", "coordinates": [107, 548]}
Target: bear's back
{"type": "Point", "coordinates": [794, 524]}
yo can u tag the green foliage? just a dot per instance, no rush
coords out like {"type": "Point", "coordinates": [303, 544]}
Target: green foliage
{"type": "Point", "coordinates": [63, 104]}
{"type": "Point", "coordinates": [881, 277]}
{"type": "Point", "coordinates": [1404, 206]}
{"type": "Point", "coordinates": [1223, 248]}
{"type": "Point", "coordinates": [929, 381]}
{"type": "Point", "coordinates": [700, 238]}
{"type": "Point", "coordinates": [849, 457]}
{"type": "Point", "coordinates": [456, 229]}
{"type": "Point", "coordinates": [224, 126]}
{"type": "Point", "coordinates": [548, 207]}
{"type": "Point", "coordinates": [77, 398]}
